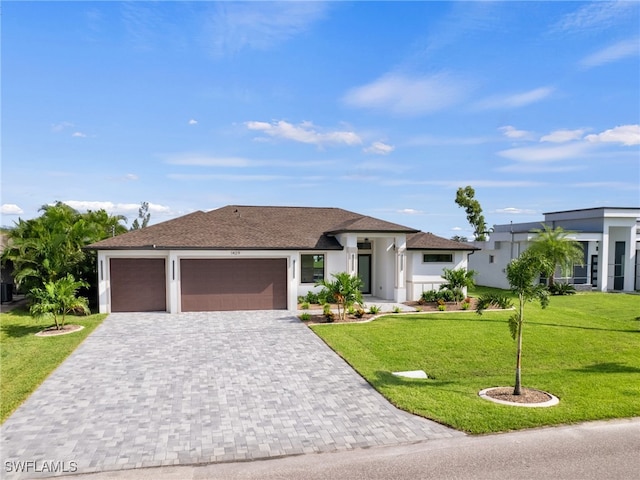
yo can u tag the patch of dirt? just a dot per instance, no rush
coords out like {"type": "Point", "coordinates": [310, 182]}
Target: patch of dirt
{"type": "Point", "coordinates": [528, 395]}
{"type": "Point", "coordinates": [53, 331]}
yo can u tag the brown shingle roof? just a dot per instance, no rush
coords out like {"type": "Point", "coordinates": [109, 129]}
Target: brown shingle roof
{"type": "Point", "coordinates": [248, 227]}
{"type": "Point", "coordinates": [429, 241]}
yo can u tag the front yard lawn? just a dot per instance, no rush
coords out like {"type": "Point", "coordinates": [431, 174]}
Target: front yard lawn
{"type": "Point", "coordinates": [585, 349]}
{"type": "Point", "coordinates": [26, 360]}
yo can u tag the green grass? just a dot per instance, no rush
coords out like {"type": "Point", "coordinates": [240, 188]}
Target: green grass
{"type": "Point", "coordinates": [26, 360]}
{"type": "Point", "coordinates": [585, 349]}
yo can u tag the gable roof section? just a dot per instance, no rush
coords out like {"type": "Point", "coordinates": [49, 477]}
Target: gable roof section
{"type": "Point", "coordinates": [251, 228]}
{"type": "Point", "coordinates": [429, 241]}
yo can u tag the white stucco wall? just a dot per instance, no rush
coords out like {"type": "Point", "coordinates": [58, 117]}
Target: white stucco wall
{"type": "Point", "coordinates": [423, 276]}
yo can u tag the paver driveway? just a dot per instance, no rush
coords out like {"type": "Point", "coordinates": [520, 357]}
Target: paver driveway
{"type": "Point", "coordinates": [148, 389]}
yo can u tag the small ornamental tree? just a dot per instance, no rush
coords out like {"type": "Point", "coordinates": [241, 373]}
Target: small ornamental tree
{"type": "Point", "coordinates": [522, 274]}
{"type": "Point", "coordinates": [345, 288]}
{"type": "Point", "coordinates": [57, 299]}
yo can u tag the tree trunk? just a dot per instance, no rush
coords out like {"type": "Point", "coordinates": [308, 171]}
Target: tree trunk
{"type": "Point", "coordinates": [517, 388]}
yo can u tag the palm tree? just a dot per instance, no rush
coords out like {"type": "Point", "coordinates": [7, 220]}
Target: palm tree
{"type": "Point", "coordinates": [50, 246]}
{"type": "Point", "coordinates": [560, 251]}
{"type": "Point", "coordinates": [521, 274]}
{"type": "Point", "coordinates": [345, 288]}
{"type": "Point", "coordinates": [58, 299]}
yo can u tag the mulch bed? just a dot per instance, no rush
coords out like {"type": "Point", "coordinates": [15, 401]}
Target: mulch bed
{"type": "Point", "coordinates": [53, 331]}
{"type": "Point", "coordinates": [317, 317]}
{"type": "Point", "coordinates": [528, 395]}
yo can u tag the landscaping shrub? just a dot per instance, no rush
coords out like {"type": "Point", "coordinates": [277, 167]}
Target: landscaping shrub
{"type": "Point", "coordinates": [562, 289]}
{"type": "Point", "coordinates": [496, 300]}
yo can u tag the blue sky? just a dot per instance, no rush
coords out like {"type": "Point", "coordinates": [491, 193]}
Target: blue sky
{"type": "Point", "coordinates": [380, 108]}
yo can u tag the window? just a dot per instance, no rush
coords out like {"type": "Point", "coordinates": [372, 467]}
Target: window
{"type": "Point", "coordinates": [312, 267]}
{"type": "Point", "coordinates": [437, 258]}
{"type": "Point", "coordinates": [492, 259]}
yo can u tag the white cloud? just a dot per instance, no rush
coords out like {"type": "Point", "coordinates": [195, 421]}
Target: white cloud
{"type": "Point", "coordinates": [539, 168]}
{"type": "Point", "coordinates": [79, 135]}
{"type": "Point", "coordinates": [379, 148]}
{"type": "Point", "coordinates": [562, 136]}
{"type": "Point", "coordinates": [114, 208]}
{"type": "Point", "coordinates": [208, 161]}
{"type": "Point", "coordinates": [305, 132]}
{"type": "Point", "coordinates": [618, 51]}
{"type": "Point", "coordinates": [596, 16]}
{"type": "Point", "coordinates": [410, 211]}
{"type": "Point", "coordinates": [515, 134]}
{"type": "Point", "coordinates": [544, 153]}
{"type": "Point", "coordinates": [131, 177]}
{"type": "Point", "coordinates": [59, 127]}
{"type": "Point", "coordinates": [624, 134]}
{"type": "Point", "coordinates": [516, 211]}
{"type": "Point", "coordinates": [515, 100]}
{"type": "Point", "coordinates": [403, 95]}
{"type": "Point", "coordinates": [235, 26]}
{"type": "Point", "coordinates": [10, 209]}
{"type": "Point", "coordinates": [227, 177]}
{"type": "Point", "coordinates": [456, 229]}
{"type": "Point", "coordinates": [193, 122]}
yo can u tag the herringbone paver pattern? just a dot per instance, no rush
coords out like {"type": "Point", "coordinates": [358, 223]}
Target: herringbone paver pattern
{"type": "Point", "coordinates": [150, 389]}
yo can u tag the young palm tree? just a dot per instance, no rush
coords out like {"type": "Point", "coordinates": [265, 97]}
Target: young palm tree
{"type": "Point", "coordinates": [560, 251]}
{"type": "Point", "coordinates": [57, 299]}
{"type": "Point", "coordinates": [345, 289]}
{"type": "Point", "coordinates": [521, 274]}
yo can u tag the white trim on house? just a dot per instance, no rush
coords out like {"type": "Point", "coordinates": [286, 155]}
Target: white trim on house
{"type": "Point", "coordinates": [397, 274]}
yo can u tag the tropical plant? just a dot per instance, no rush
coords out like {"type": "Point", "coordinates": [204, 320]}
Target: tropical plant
{"type": "Point", "coordinates": [493, 300]}
{"type": "Point", "coordinates": [374, 309]}
{"type": "Point", "coordinates": [57, 299]}
{"type": "Point", "coordinates": [328, 314]}
{"type": "Point", "coordinates": [456, 281]}
{"type": "Point", "coordinates": [305, 316]}
{"type": "Point", "coordinates": [345, 289]}
{"type": "Point", "coordinates": [50, 246]}
{"type": "Point", "coordinates": [465, 199]}
{"type": "Point", "coordinates": [561, 251]}
{"type": "Point", "coordinates": [521, 274]}
{"type": "Point", "coordinates": [562, 289]}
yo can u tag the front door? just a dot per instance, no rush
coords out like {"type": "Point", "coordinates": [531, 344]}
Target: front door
{"type": "Point", "coordinates": [364, 271]}
{"type": "Point", "coordinates": [618, 267]}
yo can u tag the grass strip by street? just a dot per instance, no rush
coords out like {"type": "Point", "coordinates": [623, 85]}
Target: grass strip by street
{"type": "Point", "coordinates": [585, 349]}
{"type": "Point", "coordinates": [26, 360]}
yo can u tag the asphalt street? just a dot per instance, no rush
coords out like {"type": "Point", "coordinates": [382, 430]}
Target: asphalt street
{"type": "Point", "coordinates": [589, 451]}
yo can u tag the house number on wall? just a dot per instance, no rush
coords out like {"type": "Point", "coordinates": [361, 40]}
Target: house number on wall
{"type": "Point", "coordinates": [235, 252]}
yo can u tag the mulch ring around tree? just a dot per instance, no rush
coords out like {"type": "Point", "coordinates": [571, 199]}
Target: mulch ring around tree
{"type": "Point", "coordinates": [53, 331]}
{"type": "Point", "coordinates": [529, 397]}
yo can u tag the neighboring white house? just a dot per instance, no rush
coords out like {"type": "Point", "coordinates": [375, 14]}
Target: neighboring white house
{"type": "Point", "coordinates": [249, 258]}
{"type": "Point", "coordinates": [610, 237]}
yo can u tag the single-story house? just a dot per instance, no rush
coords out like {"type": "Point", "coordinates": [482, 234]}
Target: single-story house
{"type": "Point", "coordinates": [610, 237]}
{"type": "Point", "coordinates": [260, 257]}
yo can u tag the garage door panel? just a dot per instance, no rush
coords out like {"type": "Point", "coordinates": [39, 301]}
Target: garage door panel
{"type": "Point", "coordinates": [233, 284]}
{"type": "Point", "coordinates": [138, 284]}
